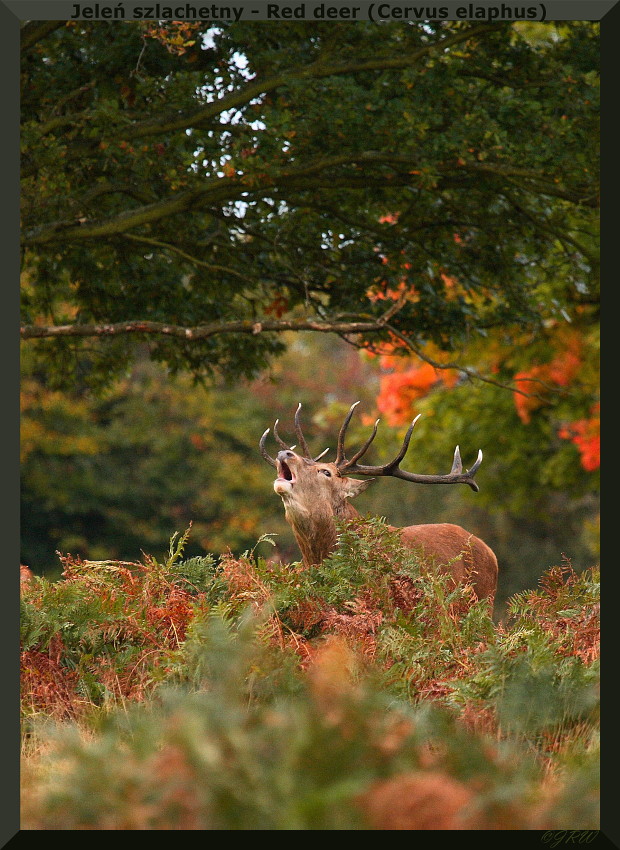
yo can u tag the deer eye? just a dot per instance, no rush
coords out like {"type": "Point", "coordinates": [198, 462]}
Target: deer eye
{"type": "Point", "coordinates": [326, 472]}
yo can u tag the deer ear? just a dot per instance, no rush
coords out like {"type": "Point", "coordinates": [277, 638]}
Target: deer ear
{"type": "Point", "coordinates": [355, 486]}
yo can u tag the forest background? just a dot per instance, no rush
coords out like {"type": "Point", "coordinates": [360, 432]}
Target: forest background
{"type": "Point", "coordinates": [222, 222]}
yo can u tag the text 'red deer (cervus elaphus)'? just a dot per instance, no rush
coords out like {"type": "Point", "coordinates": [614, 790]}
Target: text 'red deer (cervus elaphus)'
{"type": "Point", "coordinates": [315, 494]}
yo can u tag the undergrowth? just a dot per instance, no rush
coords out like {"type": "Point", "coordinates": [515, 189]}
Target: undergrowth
{"type": "Point", "coordinates": [243, 693]}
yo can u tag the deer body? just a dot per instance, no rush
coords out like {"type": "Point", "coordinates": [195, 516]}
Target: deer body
{"type": "Point", "coordinates": [452, 549]}
{"type": "Point", "coordinates": [315, 494]}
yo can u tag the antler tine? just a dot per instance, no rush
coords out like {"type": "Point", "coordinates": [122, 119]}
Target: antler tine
{"type": "Point", "coordinates": [300, 436]}
{"type": "Point", "coordinates": [405, 446]}
{"type": "Point", "coordinates": [318, 457]}
{"type": "Point", "coordinates": [280, 441]}
{"type": "Point", "coordinates": [263, 450]}
{"type": "Point", "coordinates": [457, 464]}
{"type": "Point", "coordinates": [340, 455]}
{"type": "Point", "coordinates": [476, 465]}
{"type": "Point", "coordinates": [364, 448]}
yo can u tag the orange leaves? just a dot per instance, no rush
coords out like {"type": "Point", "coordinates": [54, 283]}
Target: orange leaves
{"type": "Point", "coordinates": [544, 377]}
{"type": "Point", "coordinates": [453, 289]}
{"type": "Point", "coordinates": [567, 364]}
{"type": "Point", "coordinates": [198, 442]}
{"type": "Point", "coordinates": [47, 685]}
{"type": "Point", "coordinates": [157, 608]}
{"type": "Point", "coordinates": [176, 36]}
{"type": "Point", "coordinates": [400, 390]}
{"type": "Point", "coordinates": [574, 629]}
{"type": "Point", "coordinates": [330, 676]}
{"type": "Point", "coordinates": [402, 288]}
{"type": "Point", "coordinates": [586, 435]}
{"type": "Point", "coordinates": [277, 307]}
{"type": "Point", "coordinates": [529, 380]}
{"type": "Point", "coordinates": [25, 575]}
{"type": "Point", "coordinates": [404, 384]}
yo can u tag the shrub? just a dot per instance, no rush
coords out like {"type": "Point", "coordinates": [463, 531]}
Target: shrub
{"type": "Point", "coordinates": [367, 694]}
{"type": "Point", "coordinates": [327, 752]}
{"type": "Point", "coordinates": [103, 633]}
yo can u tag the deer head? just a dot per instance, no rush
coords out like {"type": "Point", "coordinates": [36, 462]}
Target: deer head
{"type": "Point", "coordinates": [315, 492]}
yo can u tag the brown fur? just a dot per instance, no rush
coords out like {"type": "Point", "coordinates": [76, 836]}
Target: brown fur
{"type": "Point", "coordinates": [312, 501]}
{"type": "Point", "coordinates": [453, 550]}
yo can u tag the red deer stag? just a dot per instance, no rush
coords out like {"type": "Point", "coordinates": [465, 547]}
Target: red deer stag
{"type": "Point", "coordinates": [315, 494]}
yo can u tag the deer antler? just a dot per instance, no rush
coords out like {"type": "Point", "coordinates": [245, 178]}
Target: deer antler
{"type": "Point", "coordinates": [307, 456]}
{"type": "Point", "coordinates": [263, 450]}
{"type": "Point", "coordinates": [392, 469]}
{"type": "Point", "coordinates": [300, 436]}
{"type": "Point", "coordinates": [281, 442]}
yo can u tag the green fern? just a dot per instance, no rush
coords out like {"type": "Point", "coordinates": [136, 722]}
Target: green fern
{"type": "Point", "coordinates": [177, 547]}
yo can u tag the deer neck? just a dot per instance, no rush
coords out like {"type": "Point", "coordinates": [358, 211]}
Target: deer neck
{"type": "Point", "coordinates": [316, 534]}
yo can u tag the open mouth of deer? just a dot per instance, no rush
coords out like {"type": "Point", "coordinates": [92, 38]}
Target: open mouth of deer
{"type": "Point", "coordinates": [285, 473]}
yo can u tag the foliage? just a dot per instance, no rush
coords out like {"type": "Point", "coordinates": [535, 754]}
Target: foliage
{"type": "Point", "coordinates": [201, 190]}
{"type": "Point", "coordinates": [557, 396]}
{"type": "Point", "coordinates": [275, 698]}
{"type": "Point", "coordinates": [542, 672]}
{"type": "Point", "coordinates": [104, 633]}
{"type": "Point", "coordinates": [324, 758]}
{"type": "Point", "coordinates": [530, 470]}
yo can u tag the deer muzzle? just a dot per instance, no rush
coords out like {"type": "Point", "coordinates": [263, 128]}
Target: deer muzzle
{"type": "Point", "coordinates": [286, 476]}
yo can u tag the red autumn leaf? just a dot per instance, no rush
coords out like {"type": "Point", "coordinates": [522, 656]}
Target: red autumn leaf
{"type": "Point", "coordinates": [541, 378]}
{"type": "Point", "coordinates": [586, 435]}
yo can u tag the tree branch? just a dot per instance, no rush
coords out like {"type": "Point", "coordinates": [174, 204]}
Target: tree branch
{"type": "Point", "coordinates": [165, 246]}
{"type": "Point", "coordinates": [317, 70]}
{"type": "Point", "coordinates": [212, 191]}
{"type": "Point", "coordinates": [34, 31]}
{"type": "Point", "coordinates": [200, 331]}
{"type": "Point", "coordinates": [254, 88]}
{"type": "Point", "coordinates": [206, 191]}
{"type": "Point", "coordinates": [562, 236]}
{"type": "Point", "coordinates": [363, 324]}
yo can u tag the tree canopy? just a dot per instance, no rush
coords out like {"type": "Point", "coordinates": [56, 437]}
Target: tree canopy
{"type": "Point", "coordinates": [199, 190]}
{"type": "Point", "coordinates": [226, 199]}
